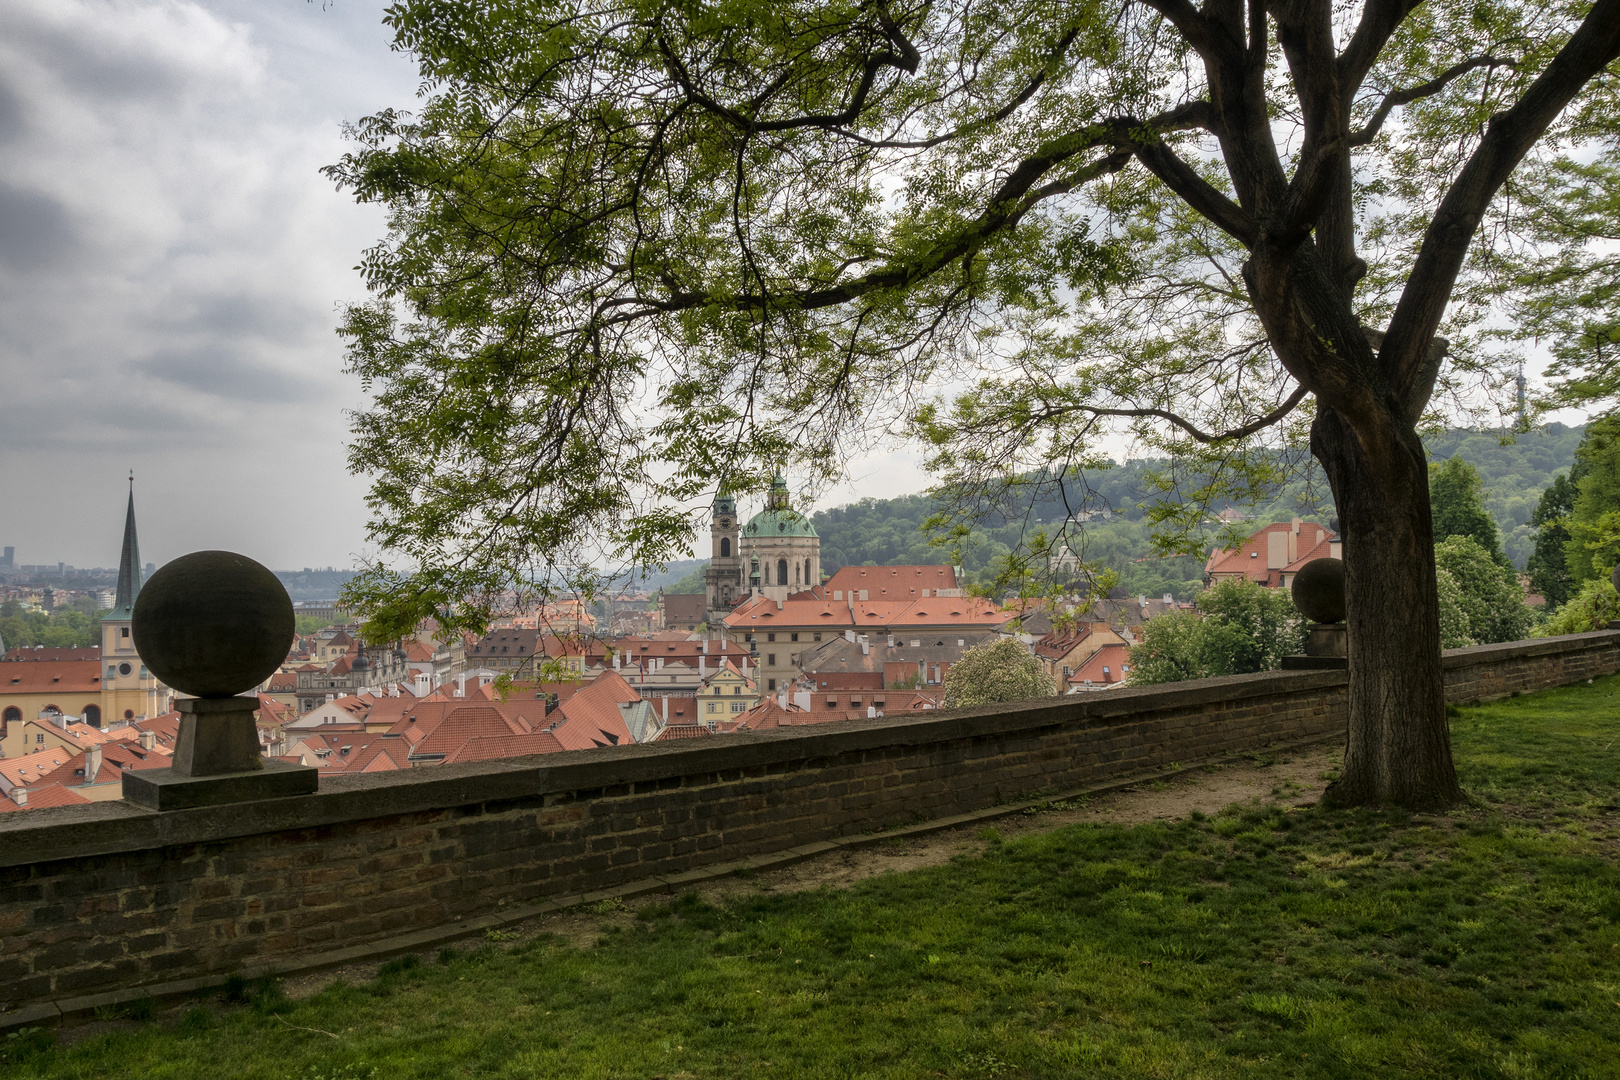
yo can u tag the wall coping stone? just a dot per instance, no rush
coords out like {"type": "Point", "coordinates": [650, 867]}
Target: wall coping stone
{"type": "Point", "coordinates": [50, 834]}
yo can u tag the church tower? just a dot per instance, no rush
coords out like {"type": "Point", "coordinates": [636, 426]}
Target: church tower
{"type": "Point", "coordinates": [782, 548]}
{"type": "Point", "coordinates": [128, 690]}
{"type": "Point", "coordinates": [723, 580]}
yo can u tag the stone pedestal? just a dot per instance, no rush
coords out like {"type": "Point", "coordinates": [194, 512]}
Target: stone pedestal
{"type": "Point", "coordinates": [1325, 647]}
{"type": "Point", "coordinates": [217, 760]}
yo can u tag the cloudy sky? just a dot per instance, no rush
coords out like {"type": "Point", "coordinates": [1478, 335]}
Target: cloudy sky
{"type": "Point", "coordinates": [171, 265]}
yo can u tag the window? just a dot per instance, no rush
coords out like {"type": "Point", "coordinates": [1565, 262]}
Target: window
{"type": "Point", "coordinates": [832, 703]}
{"type": "Point", "coordinates": [818, 637]}
{"type": "Point", "coordinates": [129, 714]}
{"type": "Point", "coordinates": [808, 580]}
{"type": "Point", "coordinates": [711, 706]}
{"type": "Point", "coordinates": [13, 715]}
{"type": "Point", "coordinates": [795, 637]}
{"type": "Point", "coordinates": [123, 631]}
{"type": "Point", "coordinates": [770, 637]}
{"type": "Point", "coordinates": [124, 669]}
{"type": "Point", "coordinates": [736, 690]}
{"type": "Point", "coordinates": [854, 702]}
{"type": "Point", "coordinates": [770, 658]}
{"type": "Point", "coordinates": [40, 737]}
{"type": "Point", "coordinates": [772, 684]}
{"type": "Point", "coordinates": [736, 706]}
{"type": "Point", "coordinates": [781, 571]}
{"type": "Point", "coordinates": [725, 546]}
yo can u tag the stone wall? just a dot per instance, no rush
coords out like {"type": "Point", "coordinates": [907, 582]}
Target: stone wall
{"type": "Point", "coordinates": [109, 902]}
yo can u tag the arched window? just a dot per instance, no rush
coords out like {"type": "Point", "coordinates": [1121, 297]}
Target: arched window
{"type": "Point", "coordinates": [725, 546]}
{"type": "Point", "coordinates": [781, 571]}
{"type": "Point", "coordinates": [12, 715]}
{"type": "Point", "coordinates": [808, 580]}
{"type": "Point", "coordinates": [92, 715]}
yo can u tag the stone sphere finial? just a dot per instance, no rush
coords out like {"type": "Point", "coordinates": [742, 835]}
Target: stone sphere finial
{"type": "Point", "coordinates": [213, 624]}
{"type": "Point", "coordinates": [1318, 590]}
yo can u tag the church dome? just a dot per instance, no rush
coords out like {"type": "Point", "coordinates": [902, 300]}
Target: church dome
{"type": "Point", "coordinates": [779, 523]}
{"type": "Point", "coordinates": [778, 518]}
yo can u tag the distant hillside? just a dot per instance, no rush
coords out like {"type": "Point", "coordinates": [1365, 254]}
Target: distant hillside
{"type": "Point", "coordinates": [886, 531]}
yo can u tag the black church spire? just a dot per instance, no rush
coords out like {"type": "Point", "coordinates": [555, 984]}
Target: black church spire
{"type": "Point", "coordinates": [129, 564]}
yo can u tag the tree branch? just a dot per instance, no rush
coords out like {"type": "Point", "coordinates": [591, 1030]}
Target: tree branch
{"type": "Point", "coordinates": [1508, 137]}
{"type": "Point", "coordinates": [1379, 19]}
{"type": "Point", "coordinates": [1199, 435]}
{"type": "Point", "coordinates": [1396, 98]}
{"type": "Point", "coordinates": [1200, 33]}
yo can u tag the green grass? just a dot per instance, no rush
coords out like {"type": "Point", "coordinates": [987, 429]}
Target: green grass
{"type": "Point", "coordinates": [1254, 943]}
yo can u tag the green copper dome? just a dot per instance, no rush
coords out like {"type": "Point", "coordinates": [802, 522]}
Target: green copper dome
{"type": "Point", "coordinates": [779, 523]}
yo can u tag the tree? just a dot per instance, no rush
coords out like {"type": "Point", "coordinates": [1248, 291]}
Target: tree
{"type": "Point", "coordinates": [1454, 629]}
{"type": "Point", "coordinates": [996, 671]}
{"type": "Point", "coordinates": [641, 251]}
{"type": "Point", "coordinates": [1594, 519]}
{"type": "Point", "coordinates": [1457, 499]}
{"type": "Point", "coordinates": [1549, 571]}
{"type": "Point", "coordinates": [1594, 607]}
{"type": "Point", "coordinates": [1241, 627]}
{"type": "Point", "coordinates": [1492, 599]}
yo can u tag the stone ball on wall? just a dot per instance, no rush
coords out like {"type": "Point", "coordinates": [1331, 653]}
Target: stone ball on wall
{"type": "Point", "coordinates": [213, 624]}
{"type": "Point", "coordinates": [1318, 590]}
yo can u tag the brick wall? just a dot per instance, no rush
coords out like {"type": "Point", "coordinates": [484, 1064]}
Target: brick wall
{"type": "Point", "coordinates": [107, 901]}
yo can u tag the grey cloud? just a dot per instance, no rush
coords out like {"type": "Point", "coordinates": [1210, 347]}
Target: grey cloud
{"type": "Point", "coordinates": [11, 114]}
{"type": "Point", "coordinates": [222, 372]}
{"type": "Point", "coordinates": [36, 231]}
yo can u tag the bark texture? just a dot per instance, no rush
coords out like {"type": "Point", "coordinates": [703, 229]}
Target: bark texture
{"type": "Point", "coordinates": [1399, 748]}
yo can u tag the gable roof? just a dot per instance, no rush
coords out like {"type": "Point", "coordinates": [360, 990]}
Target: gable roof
{"type": "Point", "coordinates": [592, 717]}
{"type": "Point", "coordinates": [46, 797]}
{"type": "Point", "coordinates": [50, 677]}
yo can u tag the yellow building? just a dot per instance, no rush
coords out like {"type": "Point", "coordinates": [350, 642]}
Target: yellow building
{"type": "Point", "coordinates": [725, 694]}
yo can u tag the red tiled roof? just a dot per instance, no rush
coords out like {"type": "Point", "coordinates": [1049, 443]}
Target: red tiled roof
{"type": "Point", "coordinates": [892, 582]}
{"type": "Point", "coordinates": [814, 609]}
{"type": "Point", "coordinates": [682, 731]}
{"type": "Point", "coordinates": [465, 722]}
{"type": "Point", "coordinates": [29, 768]}
{"type": "Point", "coordinates": [489, 747]}
{"type": "Point", "coordinates": [1250, 559]}
{"type": "Point", "coordinates": [117, 758]}
{"type": "Point", "coordinates": [592, 718]}
{"type": "Point", "coordinates": [54, 655]}
{"type": "Point", "coordinates": [1116, 658]}
{"type": "Point", "coordinates": [46, 797]}
{"type": "Point", "coordinates": [50, 677]}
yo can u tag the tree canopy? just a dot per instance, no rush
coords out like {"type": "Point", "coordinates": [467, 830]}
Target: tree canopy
{"type": "Point", "coordinates": [643, 250]}
{"type": "Point", "coordinates": [1457, 497]}
{"type": "Point", "coordinates": [993, 671]}
{"type": "Point", "coordinates": [1240, 627]}
{"type": "Point", "coordinates": [1549, 571]}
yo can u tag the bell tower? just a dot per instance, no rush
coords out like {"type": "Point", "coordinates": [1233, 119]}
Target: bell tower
{"type": "Point", "coordinates": [128, 690]}
{"type": "Point", "coordinates": [723, 580]}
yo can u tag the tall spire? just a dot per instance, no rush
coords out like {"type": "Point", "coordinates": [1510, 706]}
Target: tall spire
{"type": "Point", "coordinates": [129, 563]}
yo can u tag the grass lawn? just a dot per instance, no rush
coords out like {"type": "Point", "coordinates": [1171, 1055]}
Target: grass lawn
{"type": "Point", "coordinates": [1255, 943]}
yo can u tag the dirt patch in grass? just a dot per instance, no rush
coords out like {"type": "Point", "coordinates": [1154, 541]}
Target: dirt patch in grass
{"type": "Point", "coordinates": [1289, 778]}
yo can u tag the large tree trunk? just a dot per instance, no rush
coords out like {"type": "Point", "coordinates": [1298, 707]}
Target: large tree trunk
{"type": "Point", "coordinates": [1399, 741]}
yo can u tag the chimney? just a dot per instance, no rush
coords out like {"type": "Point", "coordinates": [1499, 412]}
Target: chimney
{"type": "Point", "coordinates": [666, 708]}
{"type": "Point", "coordinates": [866, 647]}
{"type": "Point", "coordinates": [92, 763]}
{"type": "Point", "coordinates": [780, 605]}
{"type": "Point", "coordinates": [703, 662]}
{"type": "Point", "coordinates": [148, 740]}
{"type": "Point", "coordinates": [19, 795]}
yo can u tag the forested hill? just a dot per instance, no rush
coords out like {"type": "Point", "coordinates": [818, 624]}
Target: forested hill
{"type": "Point", "coordinates": [889, 530]}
